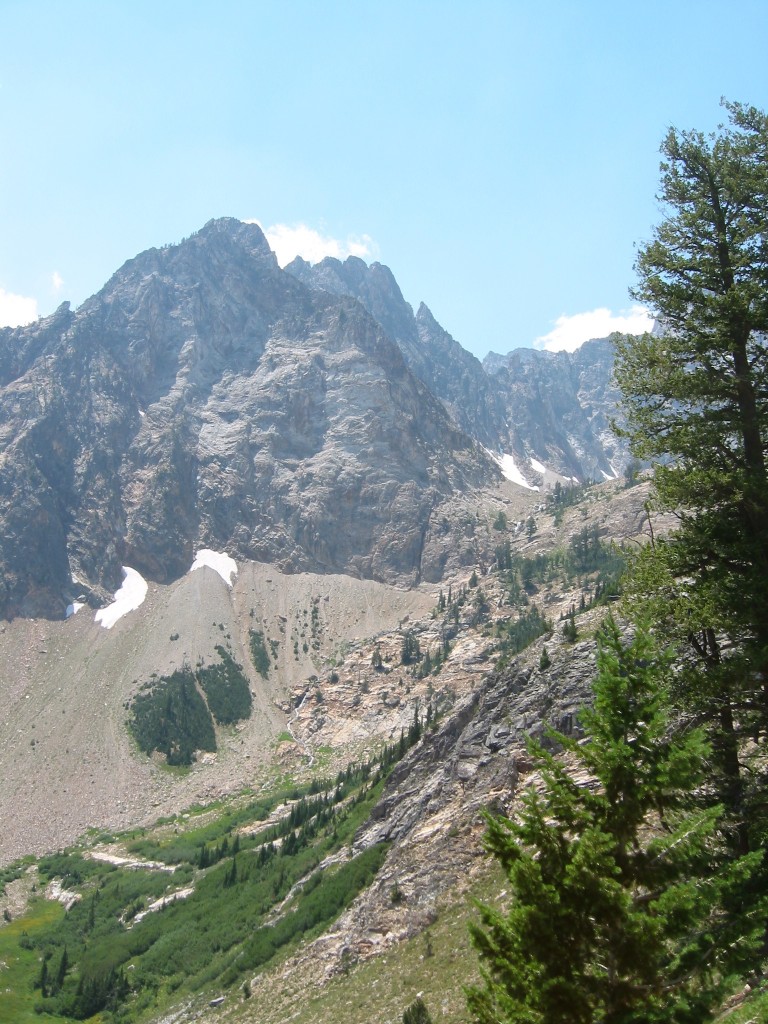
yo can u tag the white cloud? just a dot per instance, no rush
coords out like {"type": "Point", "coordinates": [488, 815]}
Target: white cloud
{"type": "Point", "coordinates": [290, 240]}
{"type": "Point", "coordinates": [571, 331]}
{"type": "Point", "coordinates": [16, 310]}
{"type": "Point", "coordinates": [57, 281]}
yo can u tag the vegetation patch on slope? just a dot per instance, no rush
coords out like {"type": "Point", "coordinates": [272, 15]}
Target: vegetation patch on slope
{"type": "Point", "coordinates": [259, 653]}
{"type": "Point", "coordinates": [174, 715]}
{"type": "Point", "coordinates": [170, 716]}
{"type": "Point", "coordinates": [226, 689]}
{"type": "Point", "coordinates": [246, 886]}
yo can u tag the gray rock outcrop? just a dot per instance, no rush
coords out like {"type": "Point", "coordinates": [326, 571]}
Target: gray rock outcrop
{"type": "Point", "coordinates": [554, 408]}
{"type": "Point", "coordinates": [302, 417]}
{"type": "Point", "coordinates": [560, 406]}
{"type": "Point", "coordinates": [206, 398]}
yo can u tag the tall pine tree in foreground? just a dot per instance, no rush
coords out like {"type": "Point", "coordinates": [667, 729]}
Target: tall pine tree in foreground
{"type": "Point", "coordinates": [695, 399]}
{"type": "Point", "coordinates": [623, 908]}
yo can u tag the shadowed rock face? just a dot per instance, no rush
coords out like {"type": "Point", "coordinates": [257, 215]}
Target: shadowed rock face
{"type": "Point", "coordinates": [451, 373]}
{"type": "Point", "coordinates": [561, 404]}
{"type": "Point", "coordinates": [552, 407]}
{"type": "Point", "coordinates": [206, 398]}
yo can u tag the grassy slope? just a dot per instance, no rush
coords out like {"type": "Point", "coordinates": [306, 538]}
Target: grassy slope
{"type": "Point", "coordinates": [18, 965]}
{"type": "Point", "coordinates": [435, 964]}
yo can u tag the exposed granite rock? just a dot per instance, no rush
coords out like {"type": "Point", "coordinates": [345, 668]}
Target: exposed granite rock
{"type": "Point", "coordinates": [430, 808]}
{"type": "Point", "coordinates": [451, 373]}
{"type": "Point", "coordinates": [559, 404]}
{"type": "Point", "coordinates": [550, 407]}
{"type": "Point", "coordinates": [458, 378]}
{"type": "Point", "coordinates": [206, 398]}
{"type": "Point", "coordinates": [483, 740]}
{"type": "Point", "coordinates": [306, 418]}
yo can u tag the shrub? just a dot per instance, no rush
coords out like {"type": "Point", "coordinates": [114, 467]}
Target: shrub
{"type": "Point", "coordinates": [259, 653]}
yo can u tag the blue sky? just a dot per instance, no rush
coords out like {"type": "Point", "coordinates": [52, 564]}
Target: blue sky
{"type": "Point", "coordinates": [501, 157]}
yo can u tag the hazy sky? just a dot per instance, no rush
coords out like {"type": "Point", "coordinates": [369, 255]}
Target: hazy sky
{"type": "Point", "coordinates": [501, 156]}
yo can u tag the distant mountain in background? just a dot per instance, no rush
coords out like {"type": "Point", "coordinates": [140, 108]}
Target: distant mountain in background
{"type": "Point", "coordinates": [303, 417]}
{"type": "Point", "coordinates": [559, 406]}
{"type": "Point", "coordinates": [550, 409]}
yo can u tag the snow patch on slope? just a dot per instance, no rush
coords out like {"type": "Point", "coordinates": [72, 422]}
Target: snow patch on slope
{"type": "Point", "coordinates": [127, 599]}
{"type": "Point", "coordinates": [220, 562]}
{"type": "Point", "coordinates": [510, 471]}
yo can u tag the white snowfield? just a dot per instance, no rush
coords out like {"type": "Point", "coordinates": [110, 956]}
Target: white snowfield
{"type": "Point", "coordinates": [510, 471]}
{"type": "Point", "coordinates": [127, 598]}
{"type": "Point", "coordinates": [539, 467]}
{"type": "Point", "coordinates": [222, 563]}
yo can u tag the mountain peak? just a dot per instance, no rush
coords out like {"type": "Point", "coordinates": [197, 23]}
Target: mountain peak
{"type": "Point", "coordinates": [246, 235]}
{"type": "Point", "coordinates": [206, 398]}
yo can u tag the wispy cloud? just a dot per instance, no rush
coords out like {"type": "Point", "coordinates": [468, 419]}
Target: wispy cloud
{"type": "Point", "coordinates": [16, 310]}
{"type": "Point", "coordinates": [290, 240]}
{"type": "Point", "coordinates": [57, 281]}
{"type": "Point", "coordinates": [571, 331]}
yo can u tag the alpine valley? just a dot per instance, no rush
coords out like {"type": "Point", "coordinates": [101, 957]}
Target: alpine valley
{"type": "Point", "coordinates": [283, 572]}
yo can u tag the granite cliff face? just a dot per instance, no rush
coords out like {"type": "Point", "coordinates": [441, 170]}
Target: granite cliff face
{"type": "Point", "coordinates": [303, 417]}
{"type": "Point", "coordinates": [561, 404]}
{"type": "Point", "coordinates": [541, 407]}
{"type": "Point", "coordinates": [451, 373]}
{"type": "Point", "coordinates": [206, 398]}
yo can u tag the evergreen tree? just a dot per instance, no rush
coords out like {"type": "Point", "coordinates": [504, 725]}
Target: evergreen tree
{"type": "Point", "coordinates": [699, 391]}
{"type": "Point", "coordinates": [43, 979]}
{"type": "Point", "coordinates": [570, 630]}
{"type": "Point", "coordinates": [504, 556]}
{"type": "Point", "coordinates": [414, 732]}
{"type": "Point", "coordinates": [410, 650]}
{"type": "Point", "coordinates": [417, 1013]}
{"type": "Point", "coordinates": [695, 396]}
{"type": "Point", "coordinates": [91, 922]}
{"type": "Point", "coordinates": [61, 973]}
{"type": "Point", "coordinates": [619, 896]}
{"type": "Point", "coordinates": [631, 473]}
{"type": "Point", "coordinates": [230, 878]}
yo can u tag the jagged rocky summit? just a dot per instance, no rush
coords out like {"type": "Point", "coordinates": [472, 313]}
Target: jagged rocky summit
{"type": "Point", "coordinates": [562, 404]}
{"type": "Point", "coordinates": [546, 409]}
{"type": "Point", "coordinates": [302, 417]}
